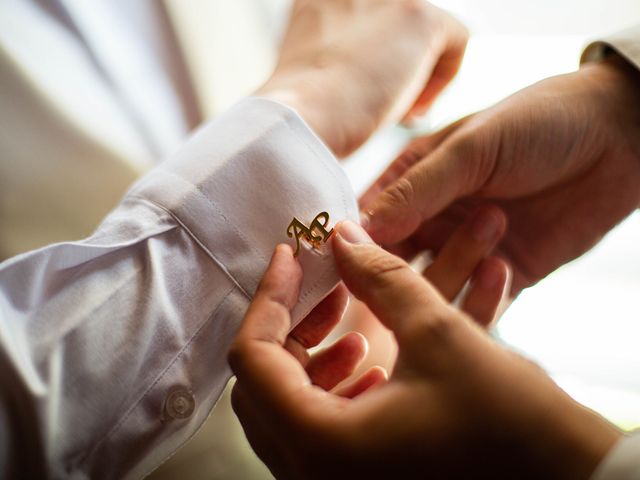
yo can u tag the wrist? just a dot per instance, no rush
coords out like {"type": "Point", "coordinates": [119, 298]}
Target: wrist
{"type": "Point", "coordinates": [573, 441]}
{"type": "Point", "coordinates": [298, 91]}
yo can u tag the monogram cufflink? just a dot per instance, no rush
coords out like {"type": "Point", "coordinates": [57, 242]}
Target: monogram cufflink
{"type": "Point", "coordinates": [299, 230]}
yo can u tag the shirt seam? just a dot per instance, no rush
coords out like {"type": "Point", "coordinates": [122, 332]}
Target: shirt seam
{"type": "Point", "coordinates": [160, 376]}
{"type": "Point", "coordinates": [220, 212]}
{"type": "Point", "coordinates": [338, 181]}
{"type": "Point", "coordinates": [201, 244]}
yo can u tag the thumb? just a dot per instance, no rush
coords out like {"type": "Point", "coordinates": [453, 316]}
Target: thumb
{"type": "Point", "coordinates": [257, 357]}
{"type": "Point", "coordinates": [454, 169]}
{"type": "Point", "coordinates": [401, 298]}
{"type": "Point", "coordinates": [413, 153]}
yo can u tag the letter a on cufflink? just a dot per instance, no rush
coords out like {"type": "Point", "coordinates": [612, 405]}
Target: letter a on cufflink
{"type": "Point", "coordinates": [299, 230]}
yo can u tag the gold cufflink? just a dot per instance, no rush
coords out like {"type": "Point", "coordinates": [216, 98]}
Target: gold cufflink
{"type": "Point", "coordinates": [298, 230]}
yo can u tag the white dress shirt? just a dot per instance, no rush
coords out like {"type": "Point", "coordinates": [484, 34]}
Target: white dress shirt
{"type": "Point", "coordinates": [94, 94]}
{"type": "Point", "coordinates": [113, 349]}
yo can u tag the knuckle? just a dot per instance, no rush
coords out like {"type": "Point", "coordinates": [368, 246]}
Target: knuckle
{"type": "Point", "coordinates": [274, 307]}
{"type": "Point", "coordinates": [474, 153]}
{"type": "Point", "coordinates": [412, 154]}
{"type": "Point", "coordinates": [436, 327]}
{"type": "Point", "coordinates": [383, 269]}
{"type": "Point", "coordinates": [466, 140]}
{"type": "Point", "coordinates": [402, 194]}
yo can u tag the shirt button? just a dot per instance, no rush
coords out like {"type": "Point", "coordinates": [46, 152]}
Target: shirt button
{"type": "Point", "coordinates": [179, 404]}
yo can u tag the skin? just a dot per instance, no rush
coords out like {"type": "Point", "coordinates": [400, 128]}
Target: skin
{"type": "Point", "coordinates": [346, 70]}
{"type": "Point", "coordinates": [561, 158]}
{"type": "Point", "coordinates": [457, 405]}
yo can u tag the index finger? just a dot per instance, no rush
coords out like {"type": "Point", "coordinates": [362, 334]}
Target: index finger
{"type": "Point", "coordinates": [456, 168]}
{"type": "Point", "coordinates": [415, 151]}
{"type": "Point", "coordinates": [401, 298]}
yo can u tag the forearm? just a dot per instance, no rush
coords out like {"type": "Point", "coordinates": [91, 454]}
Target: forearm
{"type": "Point", "coordinates": [116, 345]}
{"type": "Point", "coordinates": [97, 334]}
{"type": "Point", "coordinates": [327, 104]}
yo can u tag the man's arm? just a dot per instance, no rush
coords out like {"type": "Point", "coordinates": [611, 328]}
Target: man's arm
{"type": "Point", "coordinates": [561, 157]}
{"type": "Point", "coordinates": [113, 348]}
{"type": "Point", "coordinates": [457, 405]}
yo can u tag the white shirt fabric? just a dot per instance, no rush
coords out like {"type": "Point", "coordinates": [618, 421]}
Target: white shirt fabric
{"type": "Point", "coordinates": [105, 344]}
{"type": "Point", "coordinates": [108, 342]}
{"type": "Point", "coordinates": [132, 52]}
{"type": "Point", "coordinates": [94, 94]}
{"type": "Point", "coordinates": [72, 140]}
{"type": "Point", "coordinates": [623, 461]}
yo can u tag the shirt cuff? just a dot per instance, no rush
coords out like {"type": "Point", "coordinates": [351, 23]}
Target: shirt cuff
{"type": "Point", "coordinates": [239, 182]}
{"type": "Point", "coordinates": [622, 462]}
{"type": "Point", "coordinates": [626, 43]}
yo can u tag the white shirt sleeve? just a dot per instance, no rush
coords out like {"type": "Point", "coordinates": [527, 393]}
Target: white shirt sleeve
{"type": "Point", "coordinates": [626, 43]}
{"type": "Point", "coordinates": [113, 349]}
{"type": "Point", "coordinates": [623, 461]}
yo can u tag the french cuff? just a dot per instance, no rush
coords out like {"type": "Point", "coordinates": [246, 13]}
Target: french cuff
{"type": "Point", "coordinates": [239, 182]}
{"type": "Point", "coordinates": [622, 462]}
{"type": "Point", "coordinates": [626, 43]}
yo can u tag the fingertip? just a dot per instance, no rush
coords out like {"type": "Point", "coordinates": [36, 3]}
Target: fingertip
{"type": "Point", "coordinates": [374, 376]}
{"type": "Point", "coordinates": [332, 365]}
{"type": "Point", "coordinates": [284, 253]}
{"type": "Point", "coordinates": [504, 266]}
{"type": "Point", "coordinates": [284, 249]}
{"type": "Point", "coordinates": [488, 223]}
{"type": "Point", "coordinates": [377, 374]}
{"type": "Point", "coordinates": [501, 217]}
{"type": "Point", "coordinates": [393, 216]}
{"type": "Point", "coordinates": [492, 274]}
{"type": "Point", "coordinates": [282, 257]}
{"type": "Point", "coordinates": [268, 316]}
{"type": "Point", "coordinates": [348, 234]}
{"type": "Point", "coordinates": [488, 287]}
{"type": "Point", "coordinates": [356, 343]}
{"type": "Point", "coordinates": [352, 233]}
{"type": "Point", "coordinates": [322, 319]}
{"type": "Point", "coordinates": [283, 272]}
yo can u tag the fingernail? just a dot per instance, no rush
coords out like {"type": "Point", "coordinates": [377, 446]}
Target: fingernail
{"type": "Point", "coordinates": [353, 233]}
{"type": "Point", "coordinates": [485, 227]}
{"type": "Point", "coordinates": [284, 248]}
